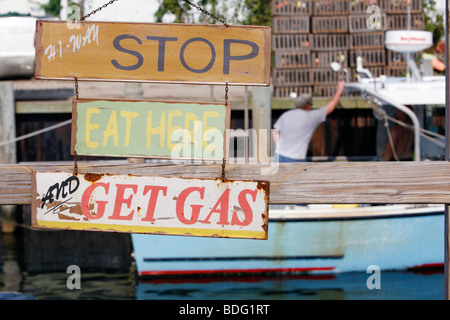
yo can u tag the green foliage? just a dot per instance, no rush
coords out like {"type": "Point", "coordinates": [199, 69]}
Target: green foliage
{"type": "Point", "coordinates": [179, 8]}
{"type": "Point", "coordinates": [14, 14]}
{"type": "Point", "coordinates": [53, 7]}
{"type": "Point", "coordinates": [259, 12]}
{"type": "Point", "coordinates": [254, 12]}
{"type": "Point", "coordinates": [434, 20]}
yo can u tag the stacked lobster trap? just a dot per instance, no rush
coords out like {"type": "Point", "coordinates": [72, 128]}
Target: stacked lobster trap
{"type": "Point", "coordinates": [310, 34]}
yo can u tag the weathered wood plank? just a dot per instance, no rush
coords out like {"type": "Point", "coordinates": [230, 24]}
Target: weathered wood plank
{"type": "Point", "coordinates": [7, 132]}
{"type": "Point", "coordinates": [7, 123]}
{"type": "Point", "coordinates": [33, 107]}
{"type": "Point", "coordinates": [331, 182]}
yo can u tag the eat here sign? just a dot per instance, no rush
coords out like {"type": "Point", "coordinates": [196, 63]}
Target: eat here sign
{"type": "Point", "coordinates": [150, 129]}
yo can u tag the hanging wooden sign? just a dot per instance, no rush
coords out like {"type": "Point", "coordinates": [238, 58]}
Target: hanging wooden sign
{"type": "Point", "coordinates": [152, 129]}
{"type": "Point", "coordinates": [143, 204]}
{"type": "Point", "coordinates": [153, 52]}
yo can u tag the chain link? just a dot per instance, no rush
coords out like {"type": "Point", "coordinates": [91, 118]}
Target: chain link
{"type": "Point", "coordinates": [75, 164]}
{"type": "Point", "coordinates": [224, 160]}
{"type": "Point", "coordinates": [75, 158]}
{"type": "Point", "coordinates": [76, 88]}
{"type": "Point", "coordinates": [226, 94]}
{"type": "Point", "coordinates": [207, 13]}
{"type": "Point", "coordinates": [98, 9]}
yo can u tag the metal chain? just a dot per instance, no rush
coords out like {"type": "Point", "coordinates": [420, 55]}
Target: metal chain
{"type": "Point", "coordinates": [224, 160]}
{"type": "Point", "coordinates": [207, 13]}
{"type": "Point", "coordinates": [76, 88]}
{"type": "Point", "coordinates": [223, 169]}
{"type": "Point", "coordinates": [98, 9]}
{"type": "Point", "coordinates": [226, 94]}
{"type": "Point", "coordinates": [75, 164]}
{"type": "Point", "coordinates": [75, 158]}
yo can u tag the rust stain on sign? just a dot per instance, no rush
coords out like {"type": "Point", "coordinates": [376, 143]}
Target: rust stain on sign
{"type": "Point", "coordinates": [157, 205]}
{"type": "Point", "coordinates": [92, 177]}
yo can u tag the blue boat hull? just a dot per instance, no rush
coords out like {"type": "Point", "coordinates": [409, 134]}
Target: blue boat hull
{"type": "Point", "coordinates": [297, 243]}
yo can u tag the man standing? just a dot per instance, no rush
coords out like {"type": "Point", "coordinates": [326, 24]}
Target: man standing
{"type": "Point", "coordinates": [296, 127]}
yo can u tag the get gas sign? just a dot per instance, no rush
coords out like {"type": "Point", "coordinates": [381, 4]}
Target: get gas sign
{"type": "Point", "coordinates": [145, 204]}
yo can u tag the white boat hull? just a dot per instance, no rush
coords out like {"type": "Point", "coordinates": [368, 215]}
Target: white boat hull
{"type": "Point", "coordinates": [306, 240]}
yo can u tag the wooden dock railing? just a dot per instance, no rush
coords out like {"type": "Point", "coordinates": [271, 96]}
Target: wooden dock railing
{"type": "Point", "coordinates": [311, 183]}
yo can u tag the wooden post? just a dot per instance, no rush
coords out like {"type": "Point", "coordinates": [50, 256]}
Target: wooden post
{"type": "Point", "coordinates": [447, 158]}
{"type": "Point", "coordinates": [7, 122]}
{"type": "Point", "coordinates": [261, 114]}
{"type": "Point", "coordinates": [7, 132]}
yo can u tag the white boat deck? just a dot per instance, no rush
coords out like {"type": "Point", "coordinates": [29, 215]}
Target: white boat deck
{"type": "Point", "coordinates": [346, 212]}
{"type": "Point", "coordinates": [430, 91]}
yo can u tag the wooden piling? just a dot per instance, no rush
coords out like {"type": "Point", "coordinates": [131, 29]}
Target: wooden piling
{"type": "Point", "coordinates": [8, 151]}
{"type": "Point", "coordinates": [447, 158]}
{"type": "Point", "coordinates": [54, 251]}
